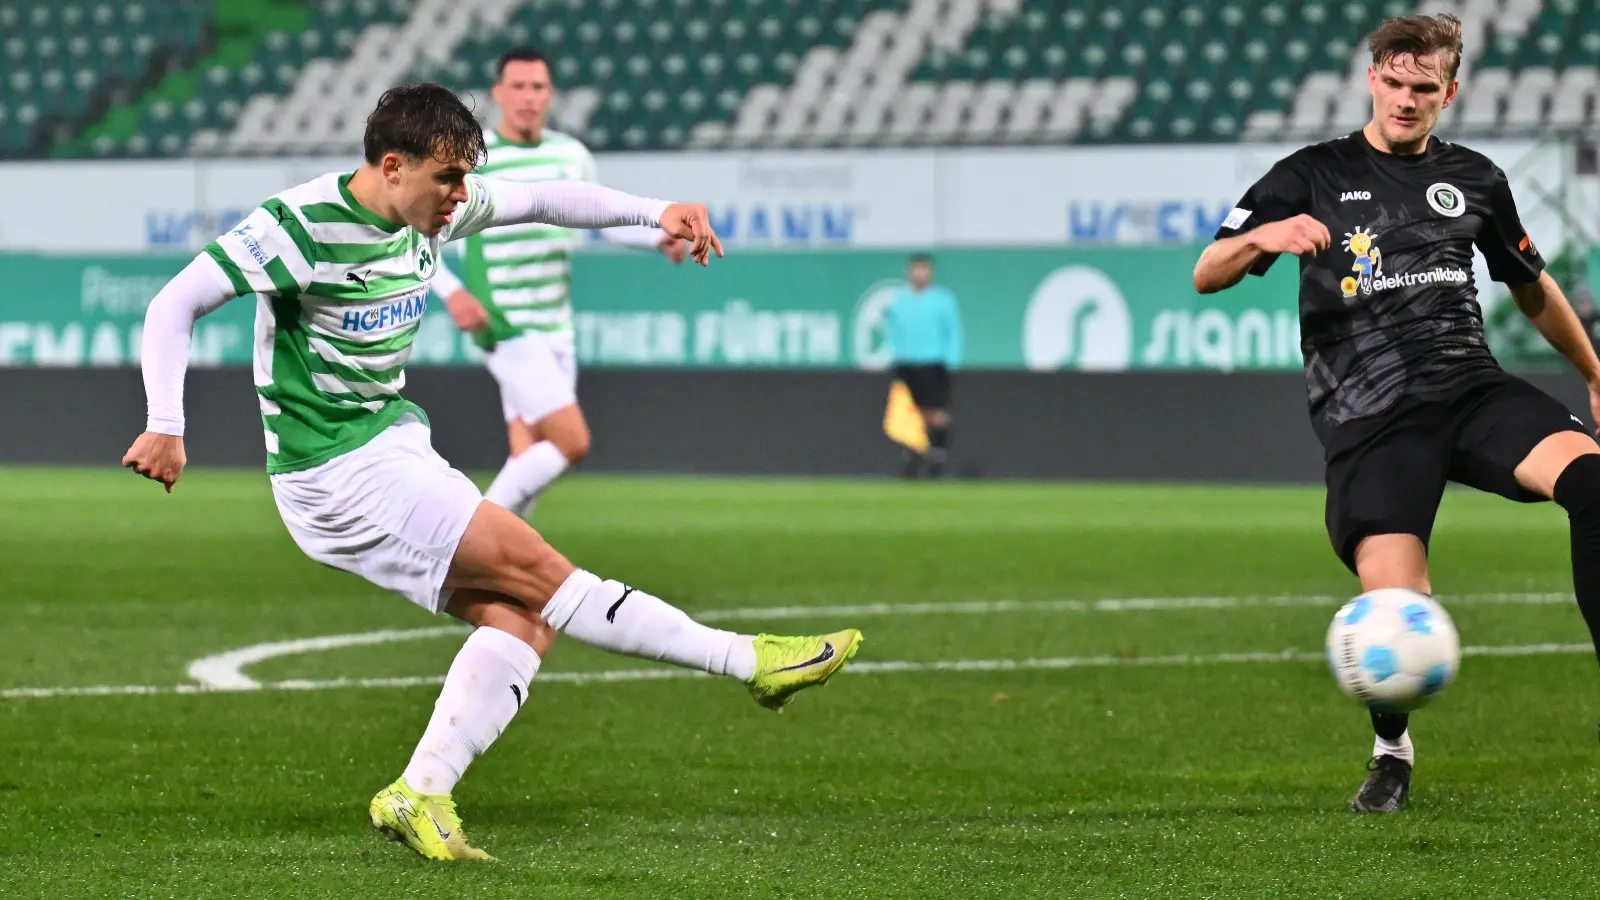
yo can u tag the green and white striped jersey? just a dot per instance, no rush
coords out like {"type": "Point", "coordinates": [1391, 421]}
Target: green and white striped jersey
{"type": "Point", "coordinates": [340, 295]}
{"type": "Point", "coordinates": [522, 274]}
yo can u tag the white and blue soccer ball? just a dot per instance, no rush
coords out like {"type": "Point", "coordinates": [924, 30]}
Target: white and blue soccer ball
{"type": "Point", "coordinates": [1393, 649]}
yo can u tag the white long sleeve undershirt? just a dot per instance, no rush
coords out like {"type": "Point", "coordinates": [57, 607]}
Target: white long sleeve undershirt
{"type": "Point", "coordinates": [199, 289]}
{"type": "Point", "coordinates": [570, 204]}
{"type": "Point", "coordinates": [202, 287]}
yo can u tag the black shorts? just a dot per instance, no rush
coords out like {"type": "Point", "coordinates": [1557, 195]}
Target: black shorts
{"type": "Point", "coordinates": [1387, 474]}
{"type": "Point", "coordinates": [929, 384]}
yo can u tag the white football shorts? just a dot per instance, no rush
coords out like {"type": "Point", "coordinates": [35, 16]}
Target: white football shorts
{"type": "Point", "coordinates": [538, 374]}
{"type": "Point", "coordinates": [391, 511]}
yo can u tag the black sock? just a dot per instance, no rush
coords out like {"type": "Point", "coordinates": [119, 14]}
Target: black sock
{"type": "Point", "coordinates": [1390, 726]}
{"type": "Point", "coordinates": [1578, 492]}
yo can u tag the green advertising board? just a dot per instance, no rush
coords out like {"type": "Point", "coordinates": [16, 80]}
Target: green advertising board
{"type": "Point", "coordinates": [1104, 309]}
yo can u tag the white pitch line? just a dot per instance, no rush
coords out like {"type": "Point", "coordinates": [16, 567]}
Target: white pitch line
{"type": "Point", "coordinates": [225, 671]}
{"type": "Point", "coordinates": [886, 667]}
{"type": "Point", "coordinates": [1129, 604]}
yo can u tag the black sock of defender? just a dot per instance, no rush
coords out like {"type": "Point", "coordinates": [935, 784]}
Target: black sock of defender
{"type": "Point", "coordinates": [1578, 492]}
{"type": "Point", "coordinates": [1390, 726]}
{"type": "Point", "coordinates": [938, 444]}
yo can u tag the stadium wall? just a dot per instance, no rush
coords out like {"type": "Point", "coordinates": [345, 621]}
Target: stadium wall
{"type": "Point", "coordinates": [1130, 426]}
{"type": "Point", "coordinates": [871, 198]}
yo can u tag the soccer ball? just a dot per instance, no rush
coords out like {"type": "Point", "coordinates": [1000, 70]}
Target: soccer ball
{"type": "Point", "coordinates": [1393, 649]}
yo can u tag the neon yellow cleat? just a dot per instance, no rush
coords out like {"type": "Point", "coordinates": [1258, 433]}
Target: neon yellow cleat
{"type": "Point", "coordinates": [426, 823]}
{"type": "Point", "coordinates": [787, 665]}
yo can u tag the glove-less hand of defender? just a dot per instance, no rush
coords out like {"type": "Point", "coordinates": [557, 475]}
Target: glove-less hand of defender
{"type": "Point", "coordinates": [692, 222]}
{"type": "Point", "coordinates": [158, 457]}
{"type": "Point", "coordinates": [1301, 235]}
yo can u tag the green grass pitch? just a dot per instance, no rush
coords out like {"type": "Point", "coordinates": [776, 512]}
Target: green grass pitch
{"type": "Point", "coordinates": [1060, 766]}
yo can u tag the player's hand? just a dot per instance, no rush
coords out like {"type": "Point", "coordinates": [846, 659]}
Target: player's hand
{"type": "Point", "coordinates": [674, 248]}
{"type": "Point", "coordinates": [1301, 236]}
{"type": "Point", "coordinates": [469, 314]}
{"type": "Point", "coordinates": [692, 222]}
{"type": "Point", "coordinates": [158, 457]}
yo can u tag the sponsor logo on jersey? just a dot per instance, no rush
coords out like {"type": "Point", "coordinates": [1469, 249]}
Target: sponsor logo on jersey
{"type": "Point", "coordinates": [379, 317]}
{"type": "Point", "coordinates": [1355, 195]}
{"type": "Point", "coordinates": [250, 244]}
{"type": "Point", "coordinates": [1446, 199]}
{"type": "Point", "coordinates": [1369, 276]}
{"type": "Point", "coordinates": [1236, 217]}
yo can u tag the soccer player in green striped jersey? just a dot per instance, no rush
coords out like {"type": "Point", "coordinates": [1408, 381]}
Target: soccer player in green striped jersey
{"type": "Point", "coordinates": [515, 296]}
{"type": "Point", "coordinates": [340, 268]}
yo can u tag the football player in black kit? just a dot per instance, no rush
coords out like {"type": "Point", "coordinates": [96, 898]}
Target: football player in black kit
{"type": "Point", "coordinates": [1404, 394]}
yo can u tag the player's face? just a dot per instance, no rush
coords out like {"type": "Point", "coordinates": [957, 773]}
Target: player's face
{"type": "Point", "coordinates": [523, 95]}
{"type": "Point", "coordinates": [1408, 93]}
{"type": "Point", "coordinates": [426, 192]}
{"type": "Point", "coordinates": [920, 274]}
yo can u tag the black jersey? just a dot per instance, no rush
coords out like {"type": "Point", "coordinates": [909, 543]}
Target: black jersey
{"type": "Point", "coordinates": [1390, 310]}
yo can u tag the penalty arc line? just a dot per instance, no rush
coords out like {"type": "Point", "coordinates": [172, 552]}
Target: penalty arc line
{"type": "Point", "coordinates": [886, 667]}
{"type": "Point", "coordinates": [225, 671]}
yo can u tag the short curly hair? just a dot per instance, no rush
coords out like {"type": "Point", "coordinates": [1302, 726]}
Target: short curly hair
{"type": "Point", "coordinates": [421, 121]}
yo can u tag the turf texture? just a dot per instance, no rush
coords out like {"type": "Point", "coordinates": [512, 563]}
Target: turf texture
{"type": "Point", "coordinates": [1084, 749]}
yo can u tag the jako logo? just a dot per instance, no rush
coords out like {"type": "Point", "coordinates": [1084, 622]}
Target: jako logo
{"type": "Point", "coordinates": [867, 340]}
{"type": "Point", "coordinates": [1355, 195]}
{"type": "Point", "coordinates": [1077, 318]}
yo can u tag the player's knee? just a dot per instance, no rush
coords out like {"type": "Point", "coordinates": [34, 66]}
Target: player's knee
{"type": "Point", "coordinates": [575, 446]}
{"type": "Point", "coordinates": [514, 619]}
{"type": "Point", "coordinates": [1577, 488]}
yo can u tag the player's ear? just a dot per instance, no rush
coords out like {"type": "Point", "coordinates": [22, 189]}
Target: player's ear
{"type": "Point", "coordinates": [1450, 92]}
{"type": "Point", "coordinates": [390, 165]}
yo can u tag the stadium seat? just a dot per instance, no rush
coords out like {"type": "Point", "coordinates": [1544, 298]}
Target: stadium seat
{"type": "Point", "coordinates": [1481, 102]}
{"type": "Point", "coordinates": [658, 74]}
{"type": "Point", "coordinates": [1531, 94]}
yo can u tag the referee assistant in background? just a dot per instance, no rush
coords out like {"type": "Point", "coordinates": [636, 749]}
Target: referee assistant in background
{"type": "Point", "coordinates": [924, 336]}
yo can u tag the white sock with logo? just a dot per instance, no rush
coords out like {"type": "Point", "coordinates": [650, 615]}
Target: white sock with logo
{"type": "Point", "coordinates": [1401, 748]}
{"type": "Point", "coordinates": [615, 617]}
{"type": "Point", "coordinates": [525, 476]}
{"type": "Point", "coordinates": [483, 691]}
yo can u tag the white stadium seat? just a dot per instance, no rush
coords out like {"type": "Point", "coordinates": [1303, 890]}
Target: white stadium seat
{"type": "Point", "coordinates": [1533, 87]}
{"type": "Point", "coordinates": [1574, 93]}
{"type": "Point", "coordinates": [955, 100]}
{"type": "Point", "coordinates": [909, 114]}
{"type": "Point", "coordinates": [1067, 109]}
{"type": "Point", "coordinates": [990, 106]}
{"type": "Point", "coordinates": [1028, 110]}
{"type": "Point", "coordinates": [1481, 100]}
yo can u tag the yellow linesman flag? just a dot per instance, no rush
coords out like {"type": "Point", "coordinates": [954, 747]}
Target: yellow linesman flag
{"type": "Point", "coordinates": [902, 421]}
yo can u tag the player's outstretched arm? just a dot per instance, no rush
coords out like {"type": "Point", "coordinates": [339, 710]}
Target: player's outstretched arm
{"type": "Point", "coordinates": [1225, 262]}
{"type": "Point", "coordinates": [1547, 307]}
{"type": "Point", "coordinates": [200, 288]}
{"type": "Point", "coordinates": [578, 204]}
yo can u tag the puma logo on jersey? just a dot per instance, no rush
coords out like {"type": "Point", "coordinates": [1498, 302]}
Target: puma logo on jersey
{"type": "Point", "coordinates": [1355, 195]}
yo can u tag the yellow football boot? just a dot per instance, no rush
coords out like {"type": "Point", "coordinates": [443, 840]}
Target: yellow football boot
{"type": "Point", "coordinates": [426, 823]}
{"type": "Point", "coordinates": [788, 665]}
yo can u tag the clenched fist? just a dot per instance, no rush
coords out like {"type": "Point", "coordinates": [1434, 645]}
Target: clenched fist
{"type": "Point", "coordinates": [158, 457]}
